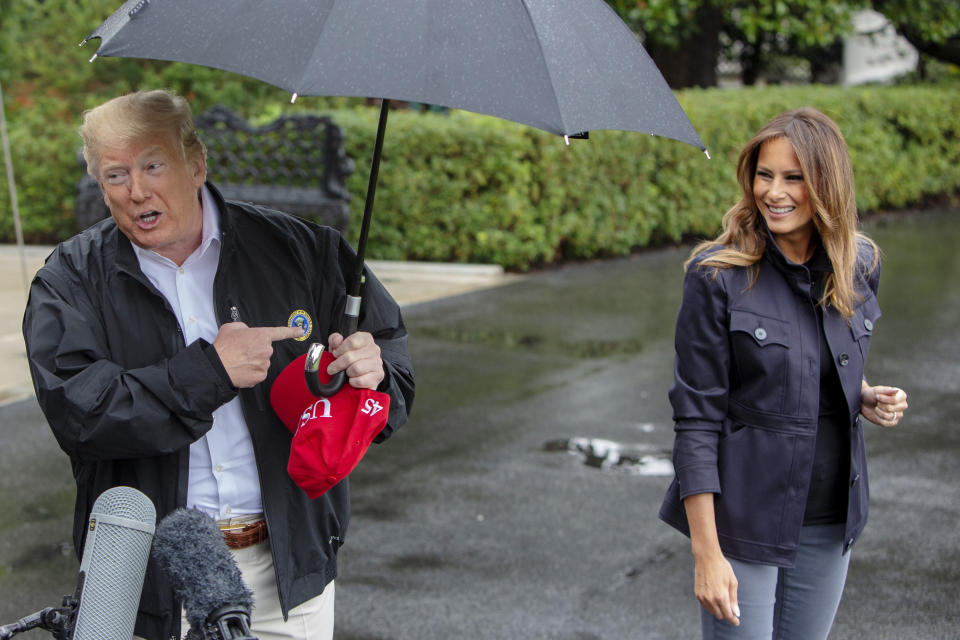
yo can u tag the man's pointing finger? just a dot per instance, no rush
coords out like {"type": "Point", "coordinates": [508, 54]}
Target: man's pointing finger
{"type": "Point", "coordinates": [282, 333]}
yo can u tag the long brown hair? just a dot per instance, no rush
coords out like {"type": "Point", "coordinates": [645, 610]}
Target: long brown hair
{"type": "Point", "coordinates": [828, 176]}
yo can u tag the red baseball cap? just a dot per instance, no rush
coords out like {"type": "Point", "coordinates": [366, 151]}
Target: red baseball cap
{"type": "Point", "coordinates": [330, 435]}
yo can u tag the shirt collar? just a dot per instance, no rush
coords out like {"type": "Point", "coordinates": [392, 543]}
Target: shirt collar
{"type": "Point", "coordinates": [211, 219]}
{"type": "Point", "coordinates": [819, 261]}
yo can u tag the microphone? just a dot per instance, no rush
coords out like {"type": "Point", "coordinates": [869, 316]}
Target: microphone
{"type": "Point", "coordinates": [189, 548]}
{"type": "Point", "coordinates": [114, 562]}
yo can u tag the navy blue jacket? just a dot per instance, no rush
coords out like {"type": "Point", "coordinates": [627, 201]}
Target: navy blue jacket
{"type": "Point", "coordinates": [746, 397]}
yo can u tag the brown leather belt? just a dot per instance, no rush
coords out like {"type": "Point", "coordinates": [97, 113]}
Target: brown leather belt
{"type": "Point", "coordinates": [241, 537]}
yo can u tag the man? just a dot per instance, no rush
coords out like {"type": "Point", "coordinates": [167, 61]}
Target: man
{"type": "Point", "coordinates": [154, 337]}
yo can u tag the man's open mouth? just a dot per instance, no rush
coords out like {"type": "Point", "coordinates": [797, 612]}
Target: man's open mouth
{"type": "Point", "coordinates": [148, 219]}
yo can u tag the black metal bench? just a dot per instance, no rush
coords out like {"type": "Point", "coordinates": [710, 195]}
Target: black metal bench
{"type": "Point", "coordinates": [296, 164]}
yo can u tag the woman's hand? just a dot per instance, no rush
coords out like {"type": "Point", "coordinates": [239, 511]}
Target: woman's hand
{"type": "Point", "coordinates": [881, 405]}
{"type": "Point", "coordinates": [715, 586]}
{"type": "Point", "coordinates": [714, 582]}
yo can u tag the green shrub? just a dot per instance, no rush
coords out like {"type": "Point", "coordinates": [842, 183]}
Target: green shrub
{"type": "Point", "coordinates": [464, 187]}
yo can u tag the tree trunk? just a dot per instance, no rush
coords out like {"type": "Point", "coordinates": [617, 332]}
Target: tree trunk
{"type": "Point", "coordinates": [751, 64]}
{"type": "Point", "coordinates": [694, 62]}
{"type": "Point", "coordinates": [826, 63]}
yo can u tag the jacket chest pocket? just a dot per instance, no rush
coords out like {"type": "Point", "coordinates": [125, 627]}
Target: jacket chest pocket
{"type": "Point", "coordinates": [760, 356]}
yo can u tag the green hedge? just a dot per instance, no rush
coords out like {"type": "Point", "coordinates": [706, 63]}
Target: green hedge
{"type": "Point", "coordinates": [471, 188]}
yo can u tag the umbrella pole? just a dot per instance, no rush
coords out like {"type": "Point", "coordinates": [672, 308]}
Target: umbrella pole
{"type": "Point", "coordinates": [371, 192]}
{"type": "Point", "coordinates": [351, 313]}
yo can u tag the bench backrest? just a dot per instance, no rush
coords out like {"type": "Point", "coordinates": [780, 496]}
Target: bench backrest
{"type": "Point", "coordinates": [296, 164]}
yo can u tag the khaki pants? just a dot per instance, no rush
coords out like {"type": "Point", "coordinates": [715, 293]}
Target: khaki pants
{"type": "Point", "coordinates": [312, 620]}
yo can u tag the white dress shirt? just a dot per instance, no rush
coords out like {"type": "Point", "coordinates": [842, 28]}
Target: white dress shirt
{"type": "Point", "coordinates": [223, 479]}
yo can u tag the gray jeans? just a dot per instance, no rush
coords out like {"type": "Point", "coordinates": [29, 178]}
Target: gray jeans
{"type": "Point", "coordinates": [788, 604]}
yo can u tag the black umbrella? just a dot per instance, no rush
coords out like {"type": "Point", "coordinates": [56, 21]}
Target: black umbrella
{"type": "Point", "coordinates": [564, 66]}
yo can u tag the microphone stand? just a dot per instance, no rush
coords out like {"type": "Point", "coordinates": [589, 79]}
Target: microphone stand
{"type": "Point", "coordinates": [57, 620]}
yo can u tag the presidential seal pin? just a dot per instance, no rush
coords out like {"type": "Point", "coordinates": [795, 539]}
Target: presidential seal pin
{"type": "Point", "coordinates": [301, 318]}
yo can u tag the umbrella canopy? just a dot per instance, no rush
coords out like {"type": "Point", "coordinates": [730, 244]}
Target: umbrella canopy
{"type": "Point", "coordinates": [564, 66]}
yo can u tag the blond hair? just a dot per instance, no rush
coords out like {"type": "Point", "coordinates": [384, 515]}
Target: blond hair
{"type": "Point", "coordinates": [139, 116]}
{"type": "Point", "coordinates": [828, 176]}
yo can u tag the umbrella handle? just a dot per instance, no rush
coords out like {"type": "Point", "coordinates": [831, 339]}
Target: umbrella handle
{"type": "Point", "coordinates": [311, 372]}
{"type": "Point", "coordinates": [311, 367]}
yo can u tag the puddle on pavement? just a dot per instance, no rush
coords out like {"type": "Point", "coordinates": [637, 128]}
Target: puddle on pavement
{"type": "Point", "coordinates": [607, 455]}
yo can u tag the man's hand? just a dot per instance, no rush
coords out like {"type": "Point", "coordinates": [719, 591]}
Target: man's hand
{"type": "Point", "coordinates": [359, 356]}
{"type": "Point", "coordinates": [245, 351]}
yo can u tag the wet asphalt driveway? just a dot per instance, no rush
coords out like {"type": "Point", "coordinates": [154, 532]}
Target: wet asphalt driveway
{"type": "Point", "coordinates": [520, 501]}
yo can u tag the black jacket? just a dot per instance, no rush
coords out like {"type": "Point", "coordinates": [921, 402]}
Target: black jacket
{"type": "Point", "coordinates": [746, 398]}
{"type": "Point", "coordinates": [125, 396]}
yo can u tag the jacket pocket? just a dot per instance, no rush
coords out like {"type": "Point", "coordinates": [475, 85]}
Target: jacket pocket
{"type": "Point", "coordinates": [763, 330]}
{"type": "Point", "coordinates": [756, 469]}
{"type": "Point", "coordinates": [760, 347]}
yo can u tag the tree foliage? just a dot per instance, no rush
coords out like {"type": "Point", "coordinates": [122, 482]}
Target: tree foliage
{"type": "Point", "coordinates": [932, 26]}
{"type": "Point", "coordinates": [38, 47]}
{"type": "Point", "coordinates": [936, 21]}
{"type": "Point", "coordinates": [755, 34]}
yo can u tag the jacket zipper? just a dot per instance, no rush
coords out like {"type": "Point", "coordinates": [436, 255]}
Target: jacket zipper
{"type": "Point", "coordinates": [235, 317]}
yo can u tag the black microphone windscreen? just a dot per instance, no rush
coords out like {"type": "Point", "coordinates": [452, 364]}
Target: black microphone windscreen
{"type": "Point", "coordinates": [190, 550]}
{"type": "Point", "coordinates": [114, 562]}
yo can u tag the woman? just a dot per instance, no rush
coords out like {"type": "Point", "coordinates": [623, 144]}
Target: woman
{"type": "Point", "coordinates": [771, 341]}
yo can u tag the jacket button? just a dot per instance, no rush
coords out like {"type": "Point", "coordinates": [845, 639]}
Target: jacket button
{"type": "Point", "coordinates": [868, 324]}
{"type": "Point", "coordinates": [760, 333]}
{"type": "Point", "coordinates": [855, 478]}
{"type": "Point", "coordinates": [844, 359]}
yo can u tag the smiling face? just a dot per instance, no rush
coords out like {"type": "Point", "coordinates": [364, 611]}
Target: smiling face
{"type": "Point", "coordinates": [783, 200]}
{"type": "Point", "coordinates": [152, 193]}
